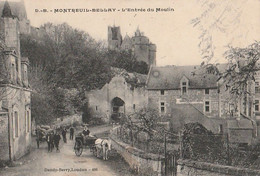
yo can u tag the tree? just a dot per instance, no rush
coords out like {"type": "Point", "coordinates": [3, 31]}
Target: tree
{"type": "Point", "coordinates": [242, 68]}
{"type": "Point", "coordinates": [225, 18]}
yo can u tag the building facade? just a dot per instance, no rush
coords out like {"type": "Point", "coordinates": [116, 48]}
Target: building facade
{"type": "Point", "coordinates": [15, 92]}
{"type": "Point", "coordinates": [124, 94]}
{"type": "Point", "coordinates": [140, 44]}
{"type": "Point", "coordinates": [185, 94]}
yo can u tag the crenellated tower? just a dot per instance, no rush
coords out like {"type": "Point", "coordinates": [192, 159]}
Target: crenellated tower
{"type": "Point", "coordinates": [114, 37]}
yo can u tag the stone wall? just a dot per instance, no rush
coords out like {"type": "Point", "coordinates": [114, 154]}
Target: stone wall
{"type": "Point", "coordinates": [18, 99]}
{"type": "Point", "coordinates": [135, 98]}
{"type": "Point", "coordinates": [182, 109]}
{"type": "Point", "coordinates": [4, 142]}
{"type": "Point", "coordinates": [195, 168]}
{"type": "Point", "coordinates": [143, 163]}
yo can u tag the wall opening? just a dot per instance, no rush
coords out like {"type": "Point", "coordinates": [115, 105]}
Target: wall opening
{"type": "Point", "coordinates": [118, 109]}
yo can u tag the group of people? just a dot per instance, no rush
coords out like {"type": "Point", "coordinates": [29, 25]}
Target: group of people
{"type": "Point", "coordinates": [53, 138]}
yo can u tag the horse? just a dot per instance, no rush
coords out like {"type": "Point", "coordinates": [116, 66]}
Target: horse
{"type": "Point", "coordinates": [103, 145]}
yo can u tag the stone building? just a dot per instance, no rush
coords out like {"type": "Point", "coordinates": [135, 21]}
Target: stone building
{"type": "Point", "coordinates": [15, 93]}
{"type": "Point", "coordinates": [124, 94]}
{"type": "Point", "coordinates": [140, 44]}
{"type": "Point", "coordinates": [19, 11]}
{"type": "Point", "coordinates": [184, 94]}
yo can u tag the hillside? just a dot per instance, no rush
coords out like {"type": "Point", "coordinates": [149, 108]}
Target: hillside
{"type": "Point", "coordinates": [64, 60]}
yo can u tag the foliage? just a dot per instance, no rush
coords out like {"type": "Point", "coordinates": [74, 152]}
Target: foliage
{"type": "Point", "coordinates": [143, 130]}
{"type": "Point", "coordinates": [200, 144]}
{"type": "Point", "coordinates": [86, 115]}
{"type": "Point", "coordinates": [126, 60]}
{"type": "Point", "coordinates": [145, 120]}
{"type": "Point", "coordinates": [42, 111]}
{"type": "Point", "coordinates": [64, 63]}
{"type": "Point", "coordinates": [240, 70]}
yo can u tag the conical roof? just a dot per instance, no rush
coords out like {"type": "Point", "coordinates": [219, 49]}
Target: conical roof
{"type": "Point", "coordinates": [7, 10]}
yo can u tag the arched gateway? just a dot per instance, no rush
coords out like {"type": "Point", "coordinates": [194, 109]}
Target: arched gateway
{"type": "Point", "coordinates": [117, 109]}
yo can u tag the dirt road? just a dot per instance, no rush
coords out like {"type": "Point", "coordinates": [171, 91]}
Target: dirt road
{"type": "Point", "coordinates": [66, 163]}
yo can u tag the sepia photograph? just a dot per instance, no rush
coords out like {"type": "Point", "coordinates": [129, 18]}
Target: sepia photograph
{"type": "Point", "coordinates": [130, 88]}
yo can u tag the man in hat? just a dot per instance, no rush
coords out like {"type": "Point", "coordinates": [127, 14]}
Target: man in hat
{"type": "Point", "coordinates": [71, 132]}
{"type": "Point", "coordinates": [49, 139]}
{"type": "Point", "coordinates": [56, 139]}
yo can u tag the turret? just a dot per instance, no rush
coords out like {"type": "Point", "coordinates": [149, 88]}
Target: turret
{"type": "Point", "coordinates": [10, 35]}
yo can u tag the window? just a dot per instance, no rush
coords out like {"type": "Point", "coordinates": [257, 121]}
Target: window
{"type": "Point", "coordinates": [13, 73]}
{"type": "Point", "coordinates": [162, 108]}
{"type": "Point", "coordinates": [256, 105]}
{"type": "Point", "coordinates": [162, 92]}
{"type": "Point", "coordinates": [231, 109]}
{"type": "Point", "coordinates": [133, 106]}
{"type": "Point", "coordinates": [27, 116]}
{"type": "Point", "coordinates": [96, 108]}
{"type": "Point", "coordinates": [184, 88]}
{"type": "Point", "coordinates": [257, 87]}
{"type": "Point", "coordinates": [16, 126]}
{"type": "Point", "coordinates": [221, 129]}
{"type": "Point", "coordinates": [207, 91]}
{"type": "Point", "coordinates": [207, 106]}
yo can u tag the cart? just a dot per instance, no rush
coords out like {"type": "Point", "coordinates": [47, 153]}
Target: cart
{"type": "Point", "coordinates": [81, 143]}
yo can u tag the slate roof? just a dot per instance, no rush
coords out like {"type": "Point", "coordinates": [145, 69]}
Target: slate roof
{"type": "Point", "coordinates": [17, 8]}
{"type": "Point", "coordinates": [127, 40]}
{"type": "Point", "coordinates": [240, 124]}
{"type": "Point", "coordinates": [169, 77]}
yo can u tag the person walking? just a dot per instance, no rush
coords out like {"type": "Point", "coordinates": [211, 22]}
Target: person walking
{"type": "Point", "coordinates": [71, 133]}
{"type": "Point", "coordinates": [56, 139]}
{"type": "Point", "coordinates": [49, 139]}
{"type": "Point", "coordinates": [64, 133]}
{"type": "Point", "coordinates": [37, 131]}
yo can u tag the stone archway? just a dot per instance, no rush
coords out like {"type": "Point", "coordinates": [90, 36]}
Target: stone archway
{"type": "Point", "coordinates": [117, 109]}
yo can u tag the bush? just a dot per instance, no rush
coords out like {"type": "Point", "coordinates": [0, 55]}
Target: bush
{"type": "Point", "coordinates": [86, 115]}
{"type": "Point", "coordinates": [96, 121]}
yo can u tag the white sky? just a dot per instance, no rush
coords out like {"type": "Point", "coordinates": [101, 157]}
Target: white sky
{"type": "Point", "coordinates": [176, 39]}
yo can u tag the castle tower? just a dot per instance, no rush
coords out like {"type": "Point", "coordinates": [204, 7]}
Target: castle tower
{"type": "Point", "coordinates": [152, 54]}
{"type": "Point", "coordinates": [127, 43]}
{"type": "Point", "coordinates": [114, 37]}
{"type": "Point", "coordinates": [18, 10]}
{"type": "Point", "coordinates": [9, 28]}
{"type": "Point", "coordinates": [144, 50]}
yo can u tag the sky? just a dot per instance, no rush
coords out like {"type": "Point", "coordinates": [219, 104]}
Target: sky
{"type": "Point", "coordinates": [176, 38]}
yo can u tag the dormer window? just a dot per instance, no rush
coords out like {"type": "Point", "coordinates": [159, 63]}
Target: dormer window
{"type": "Point", "coordinates": [184, 83]}
{"type": "Point", "coordinates": [184, 88]}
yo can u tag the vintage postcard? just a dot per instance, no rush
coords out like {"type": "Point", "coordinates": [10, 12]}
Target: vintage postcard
{"type": "Point", "coordinates": [129, 87]}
